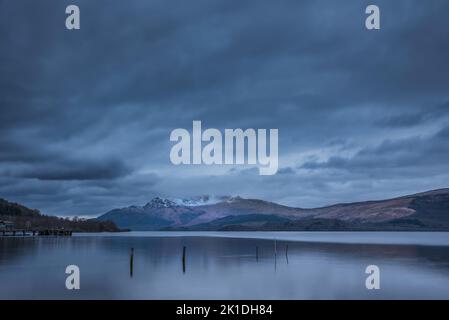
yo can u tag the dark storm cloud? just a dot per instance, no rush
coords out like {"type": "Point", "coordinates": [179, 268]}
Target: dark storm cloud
{"type": "Point", "coordinates": [86, 115]}
{"type": "Point", "coordinates": [77, 170]}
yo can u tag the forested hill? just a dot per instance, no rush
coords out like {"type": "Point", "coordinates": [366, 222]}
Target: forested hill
{"type": "Point", "coordinates": [24, 217]}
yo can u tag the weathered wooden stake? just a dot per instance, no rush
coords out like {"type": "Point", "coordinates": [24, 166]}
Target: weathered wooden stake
{"type": "Point", "coordinates": [257, 253]}
{"type": "Point", "coordinates": [286, 253]}
{"type": "Point", "coordinates": [275, 255]}
{"type": "Point", "coordinates": [275, 249]}
{"type": "Point", "coordinates": [184, 259]}
{"type": "Point", "coordinates": [131, 263]}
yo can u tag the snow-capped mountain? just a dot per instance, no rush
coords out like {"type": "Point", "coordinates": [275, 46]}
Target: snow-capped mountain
{"type": "Point", "coordinates": [157, 213]}
{"type": "Point", "coordinates": [158, 203]}
{"type": "Point", "coordinates": [163, 212]}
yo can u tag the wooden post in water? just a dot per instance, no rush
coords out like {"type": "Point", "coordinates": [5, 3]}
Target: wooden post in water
{"type": "Point", "coordinates": [275, 255]}
{"type": "Point", "coordinates": [286, 253]}
{"type": "Point", "coordinates": [257, 254]}
{"type": "Point", "coordinates": [131, 263]}
{"type": "Point", "coordinates": [183, 259]}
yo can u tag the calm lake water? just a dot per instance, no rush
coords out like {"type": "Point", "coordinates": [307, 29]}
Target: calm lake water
{"type": "Point", "coordinates": [223, 265]}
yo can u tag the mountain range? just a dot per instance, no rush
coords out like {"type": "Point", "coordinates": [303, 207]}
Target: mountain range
{"type": "Point", "coordinates": [427, 211]}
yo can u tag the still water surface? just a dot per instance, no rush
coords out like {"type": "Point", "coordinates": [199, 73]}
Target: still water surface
{"type": "Point", "coordinates": [224, 265]}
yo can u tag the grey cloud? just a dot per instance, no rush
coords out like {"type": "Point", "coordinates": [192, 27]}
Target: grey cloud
{"type": "Point", "coordinates": [421, 153]}
{"type": "Point", "coordinates": [426, 114]}
{"type": "Point", "coordinates": [286, 170]}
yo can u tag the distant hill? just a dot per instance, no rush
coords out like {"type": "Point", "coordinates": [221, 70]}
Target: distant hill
{"type": "Point", "coordinates": [423, 211]}
{"type": "Point", "coordinates": [22, 217]}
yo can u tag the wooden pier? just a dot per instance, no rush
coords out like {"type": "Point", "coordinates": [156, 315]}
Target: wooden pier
{"type": "Point", "coordinates": [42, 232]}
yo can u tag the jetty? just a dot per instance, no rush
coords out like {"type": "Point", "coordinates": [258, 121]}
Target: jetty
{"type": "Point", "coordinates": [41, 232]}
{"type": "Point", "coordinates": [9, 229]}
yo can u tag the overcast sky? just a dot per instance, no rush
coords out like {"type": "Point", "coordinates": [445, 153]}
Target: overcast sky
{"type": "Point", "coordinates": [85, 116]}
